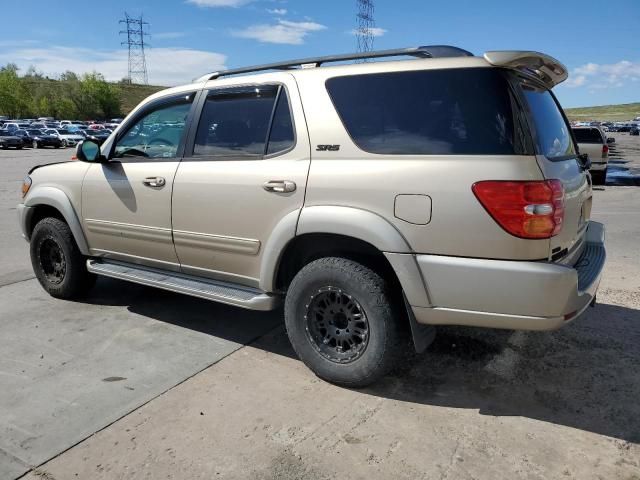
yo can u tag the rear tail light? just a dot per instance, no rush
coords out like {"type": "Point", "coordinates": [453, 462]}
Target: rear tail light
{"type": "Point", "coordinates": [605, 150]}
{"type": "Point", "coordinates": [526, 209]}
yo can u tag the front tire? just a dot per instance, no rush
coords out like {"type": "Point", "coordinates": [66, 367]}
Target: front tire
{"type": "Point", "coordinates": [342, 323]}
{"type": "Point", "coordinates": [57, 262]}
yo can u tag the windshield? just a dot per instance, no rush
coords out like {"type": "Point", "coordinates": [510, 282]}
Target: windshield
{"type": "Point", "coordinates": [553, 135]}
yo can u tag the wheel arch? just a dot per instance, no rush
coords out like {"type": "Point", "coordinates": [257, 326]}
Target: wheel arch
{"type": "Point", "coordinates": [355, 223]}
{"type": "Point", "coordinates": [51, 201]}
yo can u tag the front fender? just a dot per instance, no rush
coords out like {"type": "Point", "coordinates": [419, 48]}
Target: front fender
{"type": "Point", "coordinates": [57, 199]}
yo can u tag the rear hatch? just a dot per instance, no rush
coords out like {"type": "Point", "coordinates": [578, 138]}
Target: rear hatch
{"type": "Point", "coordinates": [557, 158]}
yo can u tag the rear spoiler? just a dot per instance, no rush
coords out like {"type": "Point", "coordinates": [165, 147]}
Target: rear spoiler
{"type": "Point", "coordinates": [547, 69]}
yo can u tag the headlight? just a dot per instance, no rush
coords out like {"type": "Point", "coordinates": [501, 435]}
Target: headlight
{"type": "Point", "coordinates": [26, 185]}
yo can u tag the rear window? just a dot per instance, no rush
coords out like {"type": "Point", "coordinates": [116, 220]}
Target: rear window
{"type": "Point", "coordinates": [587, 135]}
{"type": "Point", "coordinates": [552, 133]}
{"type": "Point", "coordinates": [454, 111]}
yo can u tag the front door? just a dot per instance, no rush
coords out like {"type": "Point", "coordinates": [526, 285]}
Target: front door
{"type": "Point", "coordinates": [246, 170]}
{"type": "Point", "coordinates": [126, 202]}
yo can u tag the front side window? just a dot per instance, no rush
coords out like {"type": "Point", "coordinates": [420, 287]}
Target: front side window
{"type": "Point", "coordinates": [157, 134]}
{"type": "Point", "coordinates": [552, 131]}
{"type": "Point", "coordinates": [248, 123]}
{"type": "Point", "coordinates": [430, 112]}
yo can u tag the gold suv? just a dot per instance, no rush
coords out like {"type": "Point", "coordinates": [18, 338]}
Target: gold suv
{"type": "Point", "coordinates": [377, 199]}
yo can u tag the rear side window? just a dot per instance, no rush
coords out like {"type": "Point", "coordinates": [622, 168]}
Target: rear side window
{"type": "Point", "coordinates": [247, 123]}
{"type": "Point", "coordinates": [551, 129]}
{"type": "Point", "coordinates": [455, 111]}
{"type": "Point", "coordinates": [587, 135]}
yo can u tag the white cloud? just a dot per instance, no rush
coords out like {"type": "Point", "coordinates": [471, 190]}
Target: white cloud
{"type": "Point", "coordinates": [166, 66]}
{"type": "Point", "coordinates": [597, 76]}
{"type": "Point", "coordinates": [286, 32]}
{"type": "Point", "coordinates": [277, 11]}
{"type": "Point", "coordinates": [374, 31]}
{"type": "Point", "coordinates": [169, 35]}
{"type": "Point", "coordinates": [219, 3]}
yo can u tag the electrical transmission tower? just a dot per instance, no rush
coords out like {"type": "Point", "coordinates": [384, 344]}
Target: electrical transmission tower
{"type": "Point", "coordinates": [364, 32]}
{"type": "Point", "coordinates": [135, 34]}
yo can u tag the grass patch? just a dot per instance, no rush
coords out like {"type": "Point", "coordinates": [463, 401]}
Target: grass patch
{"type": "Point", "coordinates": [626, 111]}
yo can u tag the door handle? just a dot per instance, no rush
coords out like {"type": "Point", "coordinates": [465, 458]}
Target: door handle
{"type": "Point", "coordinates": [279, 186]}
{"type": "Point", "coordinates": [154, 182]}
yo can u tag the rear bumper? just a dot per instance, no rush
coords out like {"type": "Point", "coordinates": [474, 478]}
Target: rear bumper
{"type": "Point", "coordinates": [511, 294]}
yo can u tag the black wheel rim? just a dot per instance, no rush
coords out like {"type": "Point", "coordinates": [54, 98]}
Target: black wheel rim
{"type": "Point", "coordinates": [336, 325]}
{"type": "Point", "coordinates": [52, 261]}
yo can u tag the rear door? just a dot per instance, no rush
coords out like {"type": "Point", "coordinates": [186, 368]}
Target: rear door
{"type": "Point", "coordinates": [245, 170]}
{"type": "Point", "coordinates": [557, 157]}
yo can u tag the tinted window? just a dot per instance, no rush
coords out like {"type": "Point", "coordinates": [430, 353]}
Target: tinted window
{"type": "Point", "coordinates": [552, 132]}
{"type": "Point", "coordinates": [281, 137]}
{"type": "Point", "coordinates": [457, 111]}
{"type": "Point", "coordinates": [157, 134]}
{"type": "Point", "coordinates": [587, 135]}
{"type": "Point", "coordinates": [235, 123]}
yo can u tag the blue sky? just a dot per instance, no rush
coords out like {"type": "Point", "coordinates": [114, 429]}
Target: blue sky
{"type": "Point", "coordinates": [598, 41]}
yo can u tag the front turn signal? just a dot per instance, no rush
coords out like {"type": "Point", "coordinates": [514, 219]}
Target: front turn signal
{"type": "Point", "coordinates": [26, 185]}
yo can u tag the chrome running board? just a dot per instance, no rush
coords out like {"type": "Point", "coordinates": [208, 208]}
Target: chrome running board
{"type": "Point", "coordinates": [223, 292]}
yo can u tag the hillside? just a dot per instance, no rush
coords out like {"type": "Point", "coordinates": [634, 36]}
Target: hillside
{"type": "Point", "coordinates": [132, 95]}
{"type": "Point", "coordinates": [626, 111]}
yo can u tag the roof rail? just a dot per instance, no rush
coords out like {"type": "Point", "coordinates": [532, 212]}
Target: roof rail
{"type": "Point", "coordinates": [432, 51]}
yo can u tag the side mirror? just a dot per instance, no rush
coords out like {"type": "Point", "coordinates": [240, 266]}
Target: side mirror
{"type": "Point", "coordinates": [89, 151]}
{"type": "Point", "coordinates": [584, 161]}
{"type": "Point", "coordinates": [611, 140]}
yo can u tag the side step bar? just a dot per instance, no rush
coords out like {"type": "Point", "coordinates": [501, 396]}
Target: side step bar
{"type": "Point", "coordinates": [223, 292]}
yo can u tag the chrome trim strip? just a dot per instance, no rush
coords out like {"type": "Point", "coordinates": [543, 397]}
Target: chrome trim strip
{"type": "Point", "coordinates": [222, 243]}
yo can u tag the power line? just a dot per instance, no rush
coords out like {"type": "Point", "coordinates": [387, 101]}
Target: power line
{"type": "Point", "coordinates": [135, 34]}
{"type": "Point", "coordinates": [364, 30]}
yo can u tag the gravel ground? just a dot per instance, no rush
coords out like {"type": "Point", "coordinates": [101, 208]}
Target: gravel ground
{"type": "Point", "coordinates": [478, 404]}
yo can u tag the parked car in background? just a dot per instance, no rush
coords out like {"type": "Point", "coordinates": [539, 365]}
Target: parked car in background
{"type": "Point", "coordinates": [8, 140]}
{"type": "Point", "coordinates": [635, 130]}
{"type": "Point", "coordinates": [38, 125]}
{"type": "Point", "coordinates": [98, 136]}
{"type": "Point", "coordinates": [593, 142]}
{"type": "Point", "coordinates": [68, 138]}
{"type": "Point", "coordinates": [38, 139]}
{"type": "Point", "coordinates": [10, 126]}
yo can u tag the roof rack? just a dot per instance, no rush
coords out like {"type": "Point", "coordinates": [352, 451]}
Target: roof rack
{"type": "Point", "coordinates": [432, 51]}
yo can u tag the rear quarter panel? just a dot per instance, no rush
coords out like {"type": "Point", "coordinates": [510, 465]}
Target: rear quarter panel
{"type": "Point", "coordinates": [458, 226]}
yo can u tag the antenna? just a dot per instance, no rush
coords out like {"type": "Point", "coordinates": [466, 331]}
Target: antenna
{"type": "Point", "coordinates": [135, 41]}
{"type": "Point", "coordinates": [364, 31]}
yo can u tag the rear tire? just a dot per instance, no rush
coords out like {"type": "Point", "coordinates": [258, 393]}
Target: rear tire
{"type": "Point", "coordinates": [341, 322]}
{"type": "Point", "coordinates": [57, 262]}
{"type": "Point", "coordinates": [599, 177]}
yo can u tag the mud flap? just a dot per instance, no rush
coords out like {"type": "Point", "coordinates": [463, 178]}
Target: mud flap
{"type": "Point", "coordinates": [423, 335]}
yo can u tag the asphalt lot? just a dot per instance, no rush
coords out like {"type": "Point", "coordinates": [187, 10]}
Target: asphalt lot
{"type": "Point", "coordinates": [138, 383]}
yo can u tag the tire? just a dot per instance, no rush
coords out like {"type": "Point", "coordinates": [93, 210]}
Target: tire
{"type": "Point", "coordinates": [366, 311]}
{"type": "Point", "coordinates": [64, 144]}
{"type": "Point", "coordinates": [57, 145]}
{"type": "Point", "coordinates": [599, 177]}
{"type": "Point", "coordinates": [19, 147]}
{"type": "Point", "coordinates": [57, 262]}
{"type": "Point", "coordinates": [5, 147]}
{"type": "Point", "coordinates": [34, 144]}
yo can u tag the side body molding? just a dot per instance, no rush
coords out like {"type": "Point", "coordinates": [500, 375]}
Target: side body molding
{"type": "Point", "coordinates": [57, 199]}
